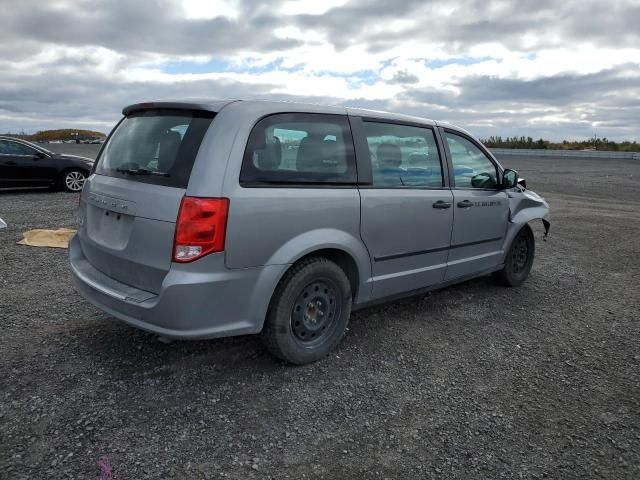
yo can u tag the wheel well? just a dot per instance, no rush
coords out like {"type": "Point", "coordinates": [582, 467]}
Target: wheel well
{"type": "Point", "coordinates": [344, 260]}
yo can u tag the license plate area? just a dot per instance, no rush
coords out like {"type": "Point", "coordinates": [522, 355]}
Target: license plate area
{"type": "Point", "coordinates": [109, 228]}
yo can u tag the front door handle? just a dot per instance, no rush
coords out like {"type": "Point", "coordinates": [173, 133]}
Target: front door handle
{"type": "Point", "coordinates": [440, 204]}
{"type": "Point", "coordinates": [465, 204]}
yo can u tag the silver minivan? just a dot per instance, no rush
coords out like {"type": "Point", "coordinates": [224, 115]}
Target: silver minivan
{"type": "Point", "coordinates": [205, 219]}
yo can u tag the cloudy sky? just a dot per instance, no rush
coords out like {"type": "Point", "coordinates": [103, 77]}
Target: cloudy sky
{"type": "Point", "coordinates": [556, 69]}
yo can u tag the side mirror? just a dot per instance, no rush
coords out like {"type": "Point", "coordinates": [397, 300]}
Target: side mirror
{"type": "Point", "coordinates": [41, 155]}
{"type": "Point", "coordinates": [509, 178]}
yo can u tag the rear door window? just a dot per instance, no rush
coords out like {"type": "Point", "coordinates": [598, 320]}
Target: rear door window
{"type": "Point", "coordinates": [299, 148]}
{"type": "Point", "coordinates": [403, 156]}
{"type": "Point", "coordinates": [155, 146]}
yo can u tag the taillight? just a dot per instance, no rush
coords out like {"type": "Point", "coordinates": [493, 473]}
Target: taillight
{"type": "Point", "coordinates": [200, 228]}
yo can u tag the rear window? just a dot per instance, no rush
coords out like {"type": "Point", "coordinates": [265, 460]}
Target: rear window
{"type": "Point", "coordinates": [299, 148]}
{"type": "Point", "coordinates": [155, 146]}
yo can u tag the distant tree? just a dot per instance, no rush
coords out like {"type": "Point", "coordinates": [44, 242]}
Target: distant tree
{"type": "Point", "coordinates": [593, 142]}
{"type": "Point", "coordinates": [541, 144]}
{"type": "Point", "coordinates": [64, 134]}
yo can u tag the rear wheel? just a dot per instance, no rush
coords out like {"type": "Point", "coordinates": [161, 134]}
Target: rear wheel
{"type": "Point", "coordinates": [309, 312]}
{"type": "Point", "coordinates": [73, 180]}
{"type": "Point", "coordinates": [519, 259]}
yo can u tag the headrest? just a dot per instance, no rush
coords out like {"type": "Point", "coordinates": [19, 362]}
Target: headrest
{"type": "Point", "coordinates": [169, 145]}
{"type": "Point", "coordinates": [389, 155]}
{"type": "Point", "coordinates": [270, 156]}
{"type": "Point", "coordinates": [310, 154]}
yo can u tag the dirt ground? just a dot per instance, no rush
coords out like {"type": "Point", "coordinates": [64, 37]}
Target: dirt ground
{"type": "Point", "coordinates": [473, 381]}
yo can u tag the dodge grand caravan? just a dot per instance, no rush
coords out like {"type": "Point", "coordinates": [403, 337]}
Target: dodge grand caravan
{"type": "Point", "coordinates": [204, 219]}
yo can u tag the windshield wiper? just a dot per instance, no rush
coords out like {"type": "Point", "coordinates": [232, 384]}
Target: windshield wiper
{"type": "Point", "coordinates": [141, 171]}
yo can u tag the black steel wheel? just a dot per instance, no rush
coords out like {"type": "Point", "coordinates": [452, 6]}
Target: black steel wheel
{"type": "Point", "coordinates": [315, 311]}
{"type": "Point", "coordinates": [519, 259]}
{"type": "Point", "coordinates": [309, 311]}
{"type": "Point", "coordinates": [519, 254]}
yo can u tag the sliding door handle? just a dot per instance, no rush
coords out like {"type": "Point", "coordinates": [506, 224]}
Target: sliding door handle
{"type": "Point", "coordinates": [465, 204]}
{"type": "Point", "coordinates": [440, 204]}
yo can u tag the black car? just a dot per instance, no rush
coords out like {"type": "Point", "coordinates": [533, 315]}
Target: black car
{"type": "Point", "coordinates": [23, 164]}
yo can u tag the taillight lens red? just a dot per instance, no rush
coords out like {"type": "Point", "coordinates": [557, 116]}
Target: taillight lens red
{"type": "Point", "coordinates": [200, 228]}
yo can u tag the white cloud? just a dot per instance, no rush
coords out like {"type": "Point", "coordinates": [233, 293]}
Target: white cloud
{"type": "Point", "coordinates": [478, 63]}
{"type": "Point", "coordinates": [309, 7]}
{"type": "Point", "coordinates": [208, 9]}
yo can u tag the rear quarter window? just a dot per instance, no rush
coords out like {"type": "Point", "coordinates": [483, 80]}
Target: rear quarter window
{"type": "Point", "coordinates": [155, 146]}
{"type": "Point", "coordinates": [299, 148]}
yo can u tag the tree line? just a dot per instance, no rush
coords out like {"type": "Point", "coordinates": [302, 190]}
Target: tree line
{"type": "Point", "coordinates": [59, 134]}
{"type": "Point", "coordinates": [594, 143]}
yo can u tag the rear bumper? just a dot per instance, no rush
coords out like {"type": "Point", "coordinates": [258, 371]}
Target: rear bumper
{"type": "Point", "coordinates": [198, 300]}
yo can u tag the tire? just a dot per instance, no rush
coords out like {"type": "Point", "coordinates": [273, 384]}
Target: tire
{"type": "Point", "coordinates": [309, 312]}
{"type": "Point", "coordinates": [519, 259]}
{"type": "Point", "coordinates": [73, 180]}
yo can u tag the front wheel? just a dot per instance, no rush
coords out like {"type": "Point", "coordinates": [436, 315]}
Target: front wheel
{"type": "Point", "coordinates": [73, 180]}
{"type": "Point", "coordinates": [309, 312]}
{"type": "Point", "coordinates": [519, 259]}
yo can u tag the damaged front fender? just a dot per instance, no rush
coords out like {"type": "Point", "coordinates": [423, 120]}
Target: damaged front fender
{"type": "Point", "coordinates": [524, 207]}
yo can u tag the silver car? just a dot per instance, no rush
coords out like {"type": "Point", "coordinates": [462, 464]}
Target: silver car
{"type": "Point", "coordinates": [205, 219]}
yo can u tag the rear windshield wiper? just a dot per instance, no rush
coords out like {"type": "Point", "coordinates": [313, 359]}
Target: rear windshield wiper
{"type": "Point", "coordinates": [141, 171]}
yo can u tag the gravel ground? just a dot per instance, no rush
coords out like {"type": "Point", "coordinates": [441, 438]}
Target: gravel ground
{"type": "Point", "coordinates": [473, 381]}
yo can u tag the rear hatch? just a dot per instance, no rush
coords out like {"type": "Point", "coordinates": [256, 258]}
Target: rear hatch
{"type": "Point", "coordinates": [131, 204]}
